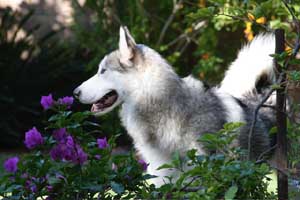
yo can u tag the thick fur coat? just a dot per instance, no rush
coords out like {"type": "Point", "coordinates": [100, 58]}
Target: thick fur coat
{"type": "Point", "coordinates": [164, 113]}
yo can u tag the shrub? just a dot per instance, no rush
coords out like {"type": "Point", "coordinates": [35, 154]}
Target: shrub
{"type": "Point", "coordinates": [67, 161]}
{"type": "Point", "coordinates": [224, 174]}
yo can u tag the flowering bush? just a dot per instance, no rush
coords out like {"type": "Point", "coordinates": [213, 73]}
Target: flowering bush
{"type": "Point", "coordinates": [66, 161]}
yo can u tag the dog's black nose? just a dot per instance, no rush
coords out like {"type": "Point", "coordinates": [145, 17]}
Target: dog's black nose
{"type": "Point", "coordinates": [77, 93]}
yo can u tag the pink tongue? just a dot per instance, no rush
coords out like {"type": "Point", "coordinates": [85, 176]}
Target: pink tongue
{"type": "Point", "coordinates": [103, 103]}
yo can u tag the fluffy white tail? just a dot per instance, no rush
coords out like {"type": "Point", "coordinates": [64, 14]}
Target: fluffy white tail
{"type": "Point", "coordinates": [252, 63]}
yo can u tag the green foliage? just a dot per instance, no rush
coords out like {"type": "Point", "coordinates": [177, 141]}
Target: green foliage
{"type": "Point", "coordinates": [146, 21]}
{"type": "Point", "coordinates": [294, 76]}
{"type": "Point", "coordinates": [221, 175]}
{"type": "Point", "coordinates": [107, 175]}
{"type": "Point", "coordinates": [104, 175]}
{"type": "Point", "coordinates": [190, 34]}
{"type": "Point", "coordinates": [294, 148]}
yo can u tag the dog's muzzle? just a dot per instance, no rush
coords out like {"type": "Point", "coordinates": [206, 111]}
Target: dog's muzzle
{"type": "Point", "coordinates": [77, 93]}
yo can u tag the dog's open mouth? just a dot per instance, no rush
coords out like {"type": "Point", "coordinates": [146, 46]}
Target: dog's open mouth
{"type": "Point", "coordinates": [105, 102]}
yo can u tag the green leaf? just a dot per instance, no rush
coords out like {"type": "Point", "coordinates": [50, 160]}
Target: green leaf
{"type": "Point", "coordinates": [73, 126]}
{"type": "Point", "coordinates": [54, 118]}
{"type": "Point", "coordinates": [273, 130]}
{"type": "Point", "coordinates": [116, 187]}
{"type": "Point", "coordinates": [52, 180]}
{"type": "Point", "coordinates": [233, 125]}
{"type": "Point", "coordinates": [218, 2]}
{"type": "Point", "coordinates": [59, 116]}
{"type": "Point", "coordinates": [91, 124]}
{"type": "Point", "coordinates": [92, 187]}
{"type": "Point", "coordinates": [165, 166]}
{"type": "Point", "coordinates": [176, 160]}
{"type": "Point", "coordinates": [294, 62]}
{"type": "Point", "coordinates": [192, 153]}
{"type": "Point", "coordinates": [148, 176]}
{"type": "Point", "coordinates": [208, 137]}
{"type": "Point", "coordinates": [231, 192]}
{"type": "Point", "coordinates": [275, 86]}
{"type": "Point", "coordinates": [294, 75]}
{"type": "Point", "coordinates": [13, 187]}
{"type": "Point", "coordinates": [203, 13]}
{"type": "Point", "coordinates": [80, 116]}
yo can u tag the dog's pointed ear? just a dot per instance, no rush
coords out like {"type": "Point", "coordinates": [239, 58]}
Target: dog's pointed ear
{"type": "Point", "coordinates": [127, 46]}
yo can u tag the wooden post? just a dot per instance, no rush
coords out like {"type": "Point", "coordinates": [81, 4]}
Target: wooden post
{"type": "Point", "coordinates": [281, 122]}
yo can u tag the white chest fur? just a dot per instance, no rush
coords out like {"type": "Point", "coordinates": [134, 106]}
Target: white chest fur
{"type": "Point", "coordinates": [169, 139]}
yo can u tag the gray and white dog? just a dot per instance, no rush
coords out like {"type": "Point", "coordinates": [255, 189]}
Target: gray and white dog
{"type": "Point", "coordinates": [164, 113]}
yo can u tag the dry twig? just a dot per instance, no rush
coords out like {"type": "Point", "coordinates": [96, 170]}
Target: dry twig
{"type": "Point", "coordinates": [176, 6]}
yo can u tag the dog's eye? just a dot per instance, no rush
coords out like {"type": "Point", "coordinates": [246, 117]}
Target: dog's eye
{"type": "Point", "coordinates": [102, 71]}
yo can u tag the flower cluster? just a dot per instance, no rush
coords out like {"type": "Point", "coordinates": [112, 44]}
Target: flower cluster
{"type": "Point", "coordinates": [11, 164]}
{"type": "Point", "coordinates": [33, 138]}
{"type": "Point", "coordinates": [66, 148]}
{"type": "Point", "coordinates": [68, 101]}
{"type": "Point", "coordinates": [32, 183]}
{"type": "Point", "coordinates": [102, 143]}
{"type": "Point", "coordinates": [48, 102]}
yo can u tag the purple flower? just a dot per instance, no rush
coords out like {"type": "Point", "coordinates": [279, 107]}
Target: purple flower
{"type": "Point", "coordinates": [127, 177]}
{"type": "Point", "coordinates": [69, 151]}
{"type": "Point", "coordinates": [24, 175]}
{"type": "Point", "coordinates": [61, 177]}
{"type": "Point", "coordinates": [49, 188]}
{"type": "Point", "coordinates": [31, 186]}
{"type": "Point", "coordinates": [11, 164]}
{"type": "Point", "coordinates": [70, 142]}
{"type": "Point", "coordinates": [98, 157]}
{"type": "Point", "coordinates": [60, 134]}
{"type": "Point", "coordinates": [102, 143]}
{"type": "Point", "coordinates": [47, 101]}
{"type": "Point", "coordinates": [65, 150]}
{"type": "Point", "coordinates": [143, 164]}
{"type": "Point", "coordinates": [62, 152]}
{"type": "Point", "coordinates": [33, 138]}
{"type": "Point", "coordinates": [56, 153]}
{"type": "Point", "coordinates": [81, 156]}
{"type": "Point", "coordinates": [68, 101]}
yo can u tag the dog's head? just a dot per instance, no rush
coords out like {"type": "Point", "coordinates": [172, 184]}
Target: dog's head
{"type": "Point", "coordinates": [106, 89]}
